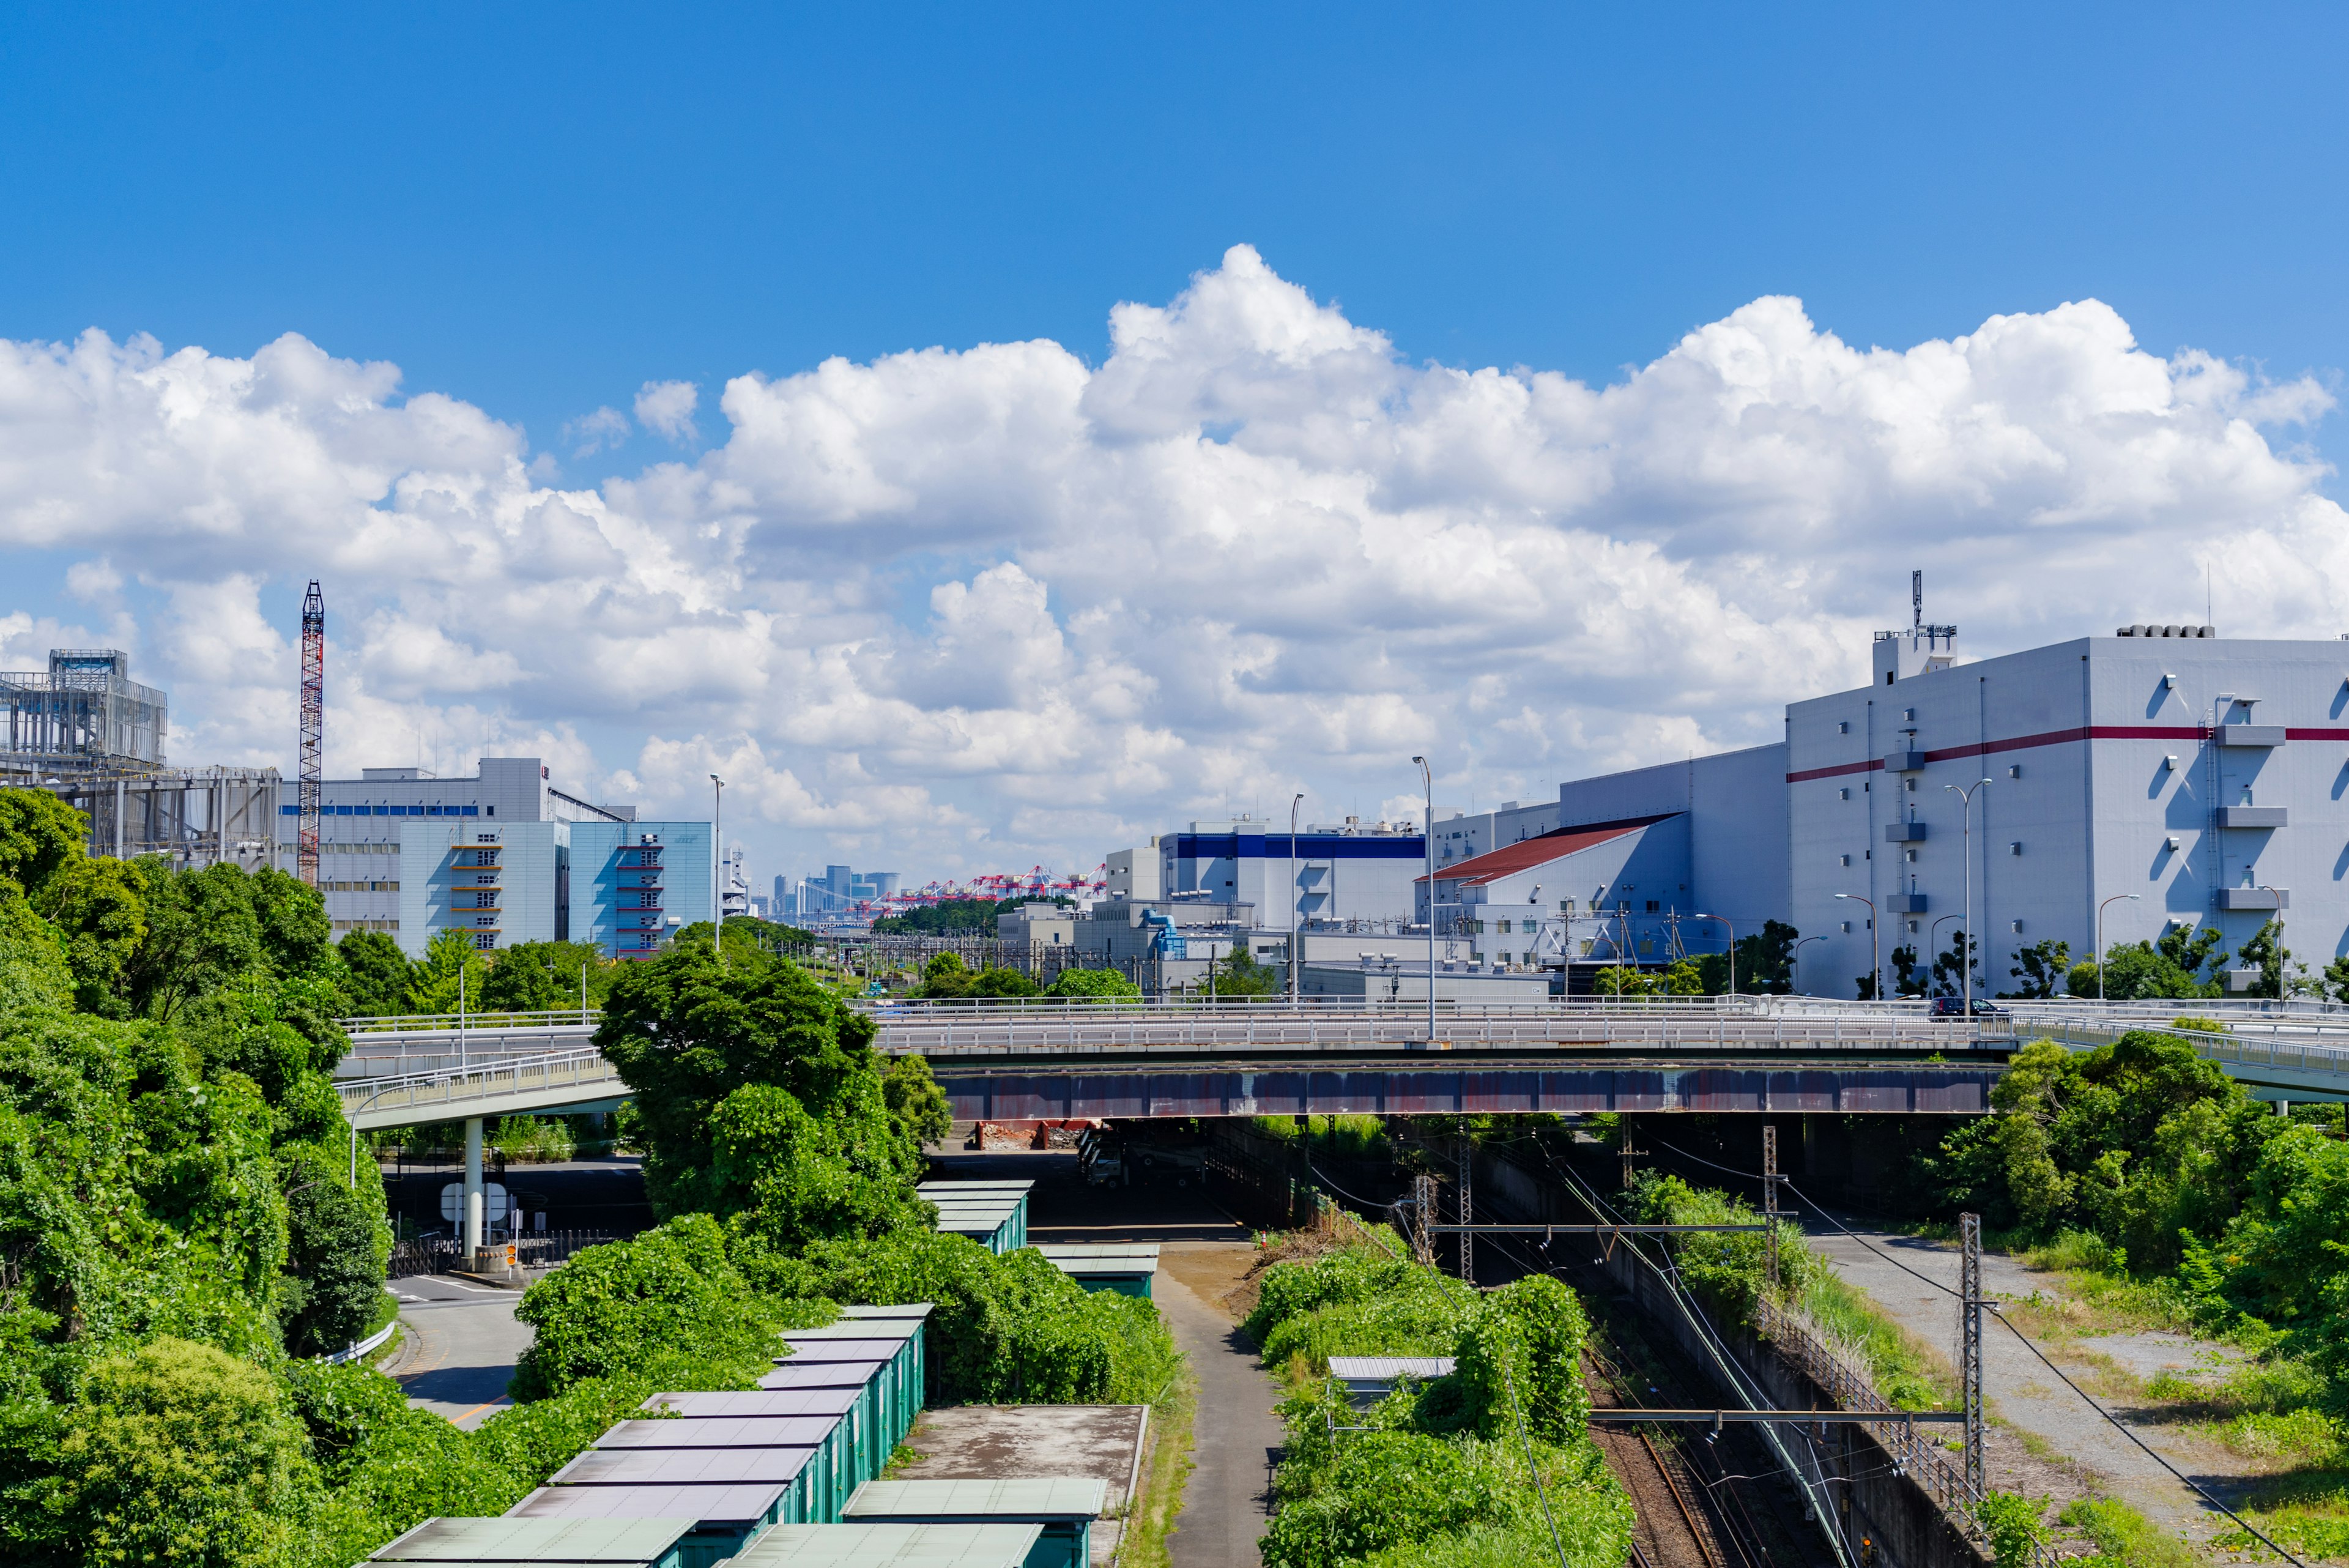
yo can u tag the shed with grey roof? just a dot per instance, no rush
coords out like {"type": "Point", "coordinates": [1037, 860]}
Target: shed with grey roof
{"type": "Point", "coordinates": [604, 1542]}
{"type": "Point", "coordinates": [892, 1546]}
{"type": "Point", "coordinates": [1065, 1507]}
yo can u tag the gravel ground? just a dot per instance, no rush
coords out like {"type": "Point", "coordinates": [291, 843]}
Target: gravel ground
{"type": "Point", "coordinates": [2076, 1449]}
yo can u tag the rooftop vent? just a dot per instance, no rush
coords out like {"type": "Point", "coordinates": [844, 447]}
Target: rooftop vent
{"type": "Point", "coordinates": [2144, 630]}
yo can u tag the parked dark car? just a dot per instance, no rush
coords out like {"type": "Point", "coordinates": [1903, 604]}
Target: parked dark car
{"type": "Point", "coordinates": [1955, 1007]}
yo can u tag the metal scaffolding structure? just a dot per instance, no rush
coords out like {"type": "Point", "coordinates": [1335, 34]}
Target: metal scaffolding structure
{"type": "Point", "coordinates": [198, 816]}
{"type": "Point", "coordinates": [310, 792]}
{"type": "Point", "coordinates": [82, 716]}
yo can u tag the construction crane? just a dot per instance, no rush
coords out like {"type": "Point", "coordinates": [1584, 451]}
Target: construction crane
{"type": "Point", "coordinates": [310, 791]}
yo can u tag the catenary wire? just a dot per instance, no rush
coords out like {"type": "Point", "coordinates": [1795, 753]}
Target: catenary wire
{"type": "Point", "coordinates": [2084, 1397]}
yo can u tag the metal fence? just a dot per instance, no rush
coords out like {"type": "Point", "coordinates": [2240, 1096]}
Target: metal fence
{"type": "Point", "coordinates": [533, 1249]}
{"type": "Point", "coordinates": [1927, 1462]}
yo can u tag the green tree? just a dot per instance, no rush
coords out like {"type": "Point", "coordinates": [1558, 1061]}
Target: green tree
{"type": "Point", "coordinates": [914, 1100]}
{"type": "Point", "coordinates": [1908, 980]}
{"type": "Point", "coordinates": [40, 836]}
{"type": "Point", "coordinates": [701, 1043]}
{"type": "Point", "coordinates": [452, 970]}
{"type": "Point", "coordinates": [180, 1453]}
{"type": "Point", "coordinates": [1239, 974]}
{"type": "Point", "coordinates": [2172, 965]}
{"type": "Point", "coordinates": [101, 911]}
{"type": "Point", "coordinates": [1962, 954]}
{"type": "Point", "coordinates": [2279, 976]}
{"type": "Point", "coordinates": [1106, 984]}
{"type": "Point", "coordinates": [2041, 968]}
{"type": "Point", "coordinates": [380, 974]}
{"type": "Point", "coordinates": [539, 977]}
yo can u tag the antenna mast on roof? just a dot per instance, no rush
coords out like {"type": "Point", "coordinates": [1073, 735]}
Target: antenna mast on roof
{"type": "Point", "coordinates": [310, 791]}
{"type": "Point", "coordinates": [1919, 632]}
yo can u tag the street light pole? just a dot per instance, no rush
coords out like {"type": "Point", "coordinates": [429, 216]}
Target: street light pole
{"type": "Point", "coordinates": [1793, 957]}
{"type": "Point", "coordinates": [1875, 944]}
{"type": "Point", "coordinates": [1733, 946]}
{"type": "Point", "coordinates": [1293, 805]}
{"type": "Point", "coordinates": [2280, 974]}
{"type": "Point", "coordinates": [1427, 837]}
{"type": "Point", "coordinates": [718, 885]}
{"type": "Point", "coordinates": [2100, 939]}
{"type": "Point", "coordinates": [1966, 937]}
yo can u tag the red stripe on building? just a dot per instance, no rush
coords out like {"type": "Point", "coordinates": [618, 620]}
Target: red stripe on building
{"type": "Point", "coordinates": [2057, 738]}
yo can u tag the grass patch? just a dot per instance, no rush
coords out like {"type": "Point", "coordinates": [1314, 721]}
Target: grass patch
{"type": "Point", "coordinates": [900, 1457]}
{"type": "Point", "coordinates": [2308, 1514]}
{"type": "Point", "coordinates": [2123, 1538]}
{"type": "Point", "coordinates": [1165, 1472]}
{"type": "Point", "coordinates": [1909, 1373]}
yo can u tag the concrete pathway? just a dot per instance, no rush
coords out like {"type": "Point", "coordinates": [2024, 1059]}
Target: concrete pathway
{"type": "Point", "coordinates": [2020, 1390]}
{"type": "Point", "coordinates": [459, 1345]}
{"type": "Point", "coordinates": [1235, 1437]}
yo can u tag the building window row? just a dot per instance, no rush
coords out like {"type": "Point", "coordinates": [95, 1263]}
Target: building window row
{"type": "Point", "coordinates": [358, 887]}
{"type": "Point", "coordinates": [390, 811]}
{"type": "Point", "coordinates": [367, 925]}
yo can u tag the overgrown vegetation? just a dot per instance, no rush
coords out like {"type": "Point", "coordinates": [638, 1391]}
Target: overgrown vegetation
{"type": "Point", "coordinates": [1730, 1270]}
{"type": "Point", "coordinates": [178, 1215]}
{"type": "Point", "coordinates": [1446, 1472]}
{"type": "Point", "coordinates": [181, 1223]}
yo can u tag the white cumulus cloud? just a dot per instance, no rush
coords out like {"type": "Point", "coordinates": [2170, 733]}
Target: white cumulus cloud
{"type": "Point", "coordinates": [958, 608]}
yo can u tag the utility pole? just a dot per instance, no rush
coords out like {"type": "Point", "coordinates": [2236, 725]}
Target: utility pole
{"type": "Point", "coordinates": [310, 789]}
{"type": "Point", "coordinates": [1966, 924]}
{"type": "Point", "coordinates": [1427, 837]}
{"type": "Point", "coordinates": [1468, 1202]}
{"type": "Point", "coordinates": [718, 844]}
{"type": "Point", "coordinates": [1969, 1352]}
{"type": "Point", "coordinates": [1422, 1208]}
{"type": "Point", "coordinates": [1623, 1147]}
{"type": "Point", "coordinates": [1293, 805]}
{"type": "Point", "coordinates": [1770, 1198]}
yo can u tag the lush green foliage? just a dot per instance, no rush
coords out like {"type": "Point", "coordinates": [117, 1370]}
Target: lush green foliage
{"type": "Point", "coordinates": [1104, 983]}
{"type": "Point", "coordinates": [950, 916]}
{"type": "Point", "coordinates": [2183, 961]}
{"type": "Point", "coordinates": [1012, 1329]}
{"type": "Point", "coordinates": [1237, 973]}
{"type": "Point", "coordinates": [758, 1097]}
{"type": "Point", "coordinates": [621, 1309]}
{"type": "Point", "coordinates": [946, 977]}
{"type": "Point", "coordinates": [1444, 1473]}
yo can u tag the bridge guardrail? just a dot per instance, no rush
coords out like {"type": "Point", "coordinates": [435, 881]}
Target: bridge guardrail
{"type": "Point", "coordinates": [425, 1092]}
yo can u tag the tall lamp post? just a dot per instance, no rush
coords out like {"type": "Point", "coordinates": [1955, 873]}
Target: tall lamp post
{"type": "Point", "coordinates": [1966, 924]}
{"type": "Point", "coordinates": [1793, 957]}
{"type": "Point", "coordinates": [1427, 837]}
{"type": "Point", "coordinates": [1874, 943]}
{"type": "Point", "coordinates": [718, 885]}
{"type": "Point", "coordinates": [2281, 973]}
{"type": "Point", "coordinates": [1733, 945]}
{"type": "Point", "coordinates": [2100, 939]}
{"type": "Point", "coordinates": [1292, 897]}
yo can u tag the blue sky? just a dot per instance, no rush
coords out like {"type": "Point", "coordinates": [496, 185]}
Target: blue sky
{"type": "Point", "coordinates": [1263, 544]}
{"type": "Point", "coordinates": [540, 210]}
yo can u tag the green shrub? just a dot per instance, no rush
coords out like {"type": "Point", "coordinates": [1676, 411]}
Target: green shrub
{"type": "Point", "coordinates": [177, 1453]}
{"type": "Point", "coordinates": [2124, 1536]}
{"type": "Point", "coordinates": [1003, 1329]}
{"type": "Point", "coordinates": [2012, 1525]}
{"type": "Point", "coordinates": [626, 1306]}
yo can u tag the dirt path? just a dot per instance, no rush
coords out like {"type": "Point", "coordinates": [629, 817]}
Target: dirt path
{"type": "Point", "coordinates": [1235, 1437]}
{"type": "Point", "coordinates": [2046, 1415]}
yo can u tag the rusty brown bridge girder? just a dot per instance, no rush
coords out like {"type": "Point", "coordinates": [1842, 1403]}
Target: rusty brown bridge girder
{"type": "Point", "coordinates": [1033, 1092]}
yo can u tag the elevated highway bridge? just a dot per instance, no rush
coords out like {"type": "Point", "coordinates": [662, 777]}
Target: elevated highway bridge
{"type": "Point", "coordinates": [1012, 1061]}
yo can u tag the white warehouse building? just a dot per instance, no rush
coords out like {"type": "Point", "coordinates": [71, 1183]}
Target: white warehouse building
{"type": "Point", "coordinates": [2165, 775]}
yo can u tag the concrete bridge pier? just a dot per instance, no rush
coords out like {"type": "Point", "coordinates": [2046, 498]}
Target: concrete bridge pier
{"type": "Point", "coordinates": [476, 1199]}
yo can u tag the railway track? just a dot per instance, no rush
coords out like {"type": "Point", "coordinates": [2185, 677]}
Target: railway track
{"type": "Point", "coordinates": [1700, 1501]}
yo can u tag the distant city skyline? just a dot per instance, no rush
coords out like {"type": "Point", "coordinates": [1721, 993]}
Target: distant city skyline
{"type": "Point", "coordinates": [985, 453]}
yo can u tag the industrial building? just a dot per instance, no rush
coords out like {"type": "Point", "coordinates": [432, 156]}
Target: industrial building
{"type": "Point", "coordinates": [502, 855]}
{"type": "Point", "coordinates": [1351, 873]}
{"type": "Point", "coordinates": [84, 731]}
{"type": "Point", "coordinates": [2158, 777]}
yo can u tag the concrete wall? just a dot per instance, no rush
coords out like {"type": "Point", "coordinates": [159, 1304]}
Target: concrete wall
{"type": "Point", "coordinates": [1339, 875]}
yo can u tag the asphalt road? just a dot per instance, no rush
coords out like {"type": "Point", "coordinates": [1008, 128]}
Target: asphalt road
{"type": "Point", "coordinates": [458, 1343]}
